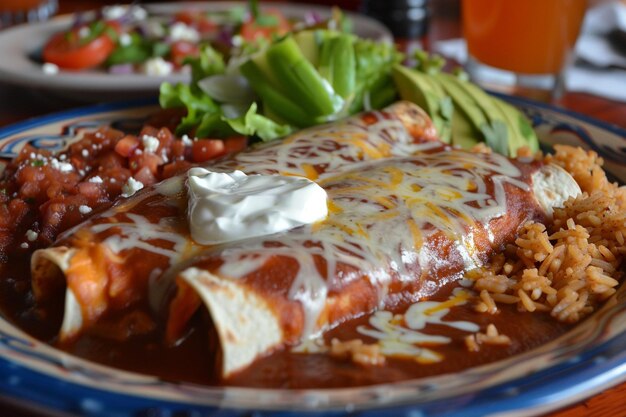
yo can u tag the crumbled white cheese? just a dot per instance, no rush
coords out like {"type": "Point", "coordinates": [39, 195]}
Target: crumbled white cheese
{"type": "Point", "coordinates": [131, 187]}
{"type": "Point", "coordinates": [85, 153]}
{"type": "Point", "coordinates": [84, 209]}
{"type": "Point", "coordinates": [158, 66]}
{"type": "Point", "coordinates": [237, 40]}
{"type": "Point", "coordinates": [84, 32]}
{"type": "Point", "coordinates": [24, 245]}
{"type": "Point", "coordinates": [181, 32]}
{"type": "Point", "coordinates": [62, 157]}
{"type": "Point", "coordinates": [50, 68]}
{"type": "Point", "coordinates": [125, 39]}
{"type": "Point", "coordinates": [95, 179]}
{"type": "Point", "coordinates": [61, 166]}
{"type": "Point", "coordinates": [112, 180]}
{"type": "Point", "coordinates": [113, 12]}
{"type": "Point", "coordinates": [31, 235]}
{"type": "Point", "coordinates": [117, 12]}
{"type": "Point", "coordinates": [186, 140]}
{"type": "Point", "coordinates": [153, 29]}
{"type": "Point", "coordinates": [150, 143]}
{"type": "Point", "coordinates": [138, 12]}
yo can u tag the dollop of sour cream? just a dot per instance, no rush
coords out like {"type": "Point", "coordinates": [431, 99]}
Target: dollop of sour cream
{"type": "Point", "coordinates": [229, 206]}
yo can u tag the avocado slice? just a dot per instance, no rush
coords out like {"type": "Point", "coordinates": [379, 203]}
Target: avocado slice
{"type": "Point", "coordinates": [464, 133]}
{"type": "Point", "coordinates": [421, 90]}
{"type": "Point", "coordinates": [500, 133]}
{"type": "Point", "coordinates": [523, 133]}
{"type": "Point", "coordinates": [462, 99]}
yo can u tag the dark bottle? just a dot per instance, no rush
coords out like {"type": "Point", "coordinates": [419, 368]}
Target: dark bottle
{"type": "Point", "coordinates": [405, 18]}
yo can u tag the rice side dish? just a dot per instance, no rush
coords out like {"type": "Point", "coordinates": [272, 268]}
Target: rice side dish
{"type": "Point", "coordinates": [567, 267]}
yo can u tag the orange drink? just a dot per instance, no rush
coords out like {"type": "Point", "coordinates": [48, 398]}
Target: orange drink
{"type": "Point", "coordinates": [527, 41]}
{"type": "Point", "coordinates": [526, 36]}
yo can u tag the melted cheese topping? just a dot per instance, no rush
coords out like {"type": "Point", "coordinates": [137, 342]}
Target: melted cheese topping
{"type": "Point", "coordinates": [325, 150]}
{"type": "Point", "coordinates": [401, 334]}
{"type": "Point", "coordinates": [383, 217]}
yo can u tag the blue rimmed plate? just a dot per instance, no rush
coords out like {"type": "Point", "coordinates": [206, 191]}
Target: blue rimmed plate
{"type": "Point", "coordinates": [584, 361]}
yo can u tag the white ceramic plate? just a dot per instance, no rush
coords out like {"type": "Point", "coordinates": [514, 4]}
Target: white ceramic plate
{"type": "Point", "coordinates": [580, 363]}
{"type": "Point", "coordinates": [19, 44]}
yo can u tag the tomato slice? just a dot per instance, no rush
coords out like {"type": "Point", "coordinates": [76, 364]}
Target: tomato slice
{"type": "Point", "coordinates": [254, 29]}
{"type": "Point", "coordinates": [198, 20]}
{"type": "Point", "coordinates": [203, 150]}
{"type": "Point", "coordinates": [183, 49]}
{"type": "Point", "coordinates": [69, 50]}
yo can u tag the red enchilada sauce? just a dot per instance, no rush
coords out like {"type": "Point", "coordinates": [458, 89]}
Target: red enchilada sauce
{"type": "Point", "coordinates": [194, 360]}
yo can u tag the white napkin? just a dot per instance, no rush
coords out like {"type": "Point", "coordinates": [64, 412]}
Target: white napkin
{"type": "Point", "coordinates": [595, 69]}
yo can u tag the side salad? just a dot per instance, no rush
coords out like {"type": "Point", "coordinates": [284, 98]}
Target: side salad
{"type": "Point", "coordinates": [257, 74]}
{"type": "Point", "coordinates": [130, 39]}
{"type": "Point", "coordinates": [315, 76]}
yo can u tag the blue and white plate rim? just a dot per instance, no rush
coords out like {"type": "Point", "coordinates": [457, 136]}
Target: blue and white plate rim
{"type": "Point", "coordinates": [589, 358]}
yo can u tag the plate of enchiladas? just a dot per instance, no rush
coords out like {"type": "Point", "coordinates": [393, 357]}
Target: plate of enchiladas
{"type": "Point", "coordinates": [313, 229]}
{"type": "Point", "coordinates": [435, 280]}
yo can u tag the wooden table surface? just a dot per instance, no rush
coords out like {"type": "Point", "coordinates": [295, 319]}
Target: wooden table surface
{"type": "Point", "coordinates": [19, 103]}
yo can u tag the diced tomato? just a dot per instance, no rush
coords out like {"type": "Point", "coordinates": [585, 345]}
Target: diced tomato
{"type": "Point", "coordinates": [178, 149]}
{"type": "Point", "coordinates": [145, 176]}
{"type": "Point", "coordinates": [69, 50]}
{"type": "Point", "coordinates": [147, 160]}
{"type": "Point", "coordinates": [235, 144]}
{"type": "Point", "coordinates": [175, 168]}
{"type": "Point", "coordinates": [166, 138]}
{"type": "Point", "coordinates": [149, 131]}
{"type": "Point", "coordinates": [91, 190]}
{"type": "Point", "coordinates": [251, 30]}
{"type": "Point", "coordinates": [127, 145]}
{"type": "Point", "coordinates": [183, 49]}
{"type": "Point", "coordinates": [204, 150]}
{"type": "Point", "coordinates": [24, 154]}
{"type": "Point", "coordinates": [110, 161]}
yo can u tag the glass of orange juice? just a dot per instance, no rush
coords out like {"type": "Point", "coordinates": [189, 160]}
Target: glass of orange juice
{"type": "Point", "coordinates": [528, 43]}
{"type": "Point", "coordinates": [13, 12]}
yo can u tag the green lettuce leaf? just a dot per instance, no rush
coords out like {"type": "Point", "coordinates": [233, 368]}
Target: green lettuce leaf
{"type": "Point", "coordinates": [194, 100]}
{"type": "Point", "coordinates": [253, 123]}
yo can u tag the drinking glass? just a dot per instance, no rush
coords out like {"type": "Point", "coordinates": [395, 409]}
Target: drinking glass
{"type": "Point", "coordinates": [527, 43]}
{"type": "Point", "coordinates": [13, 12]}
